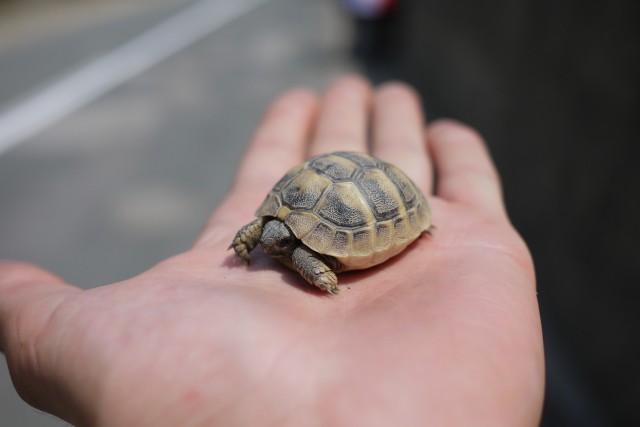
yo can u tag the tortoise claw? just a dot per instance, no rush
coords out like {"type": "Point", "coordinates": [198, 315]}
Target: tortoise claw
{"type": "Point", "coordinates": [315, 270]}
{"type": "Point", "coordinates": [246, 239]}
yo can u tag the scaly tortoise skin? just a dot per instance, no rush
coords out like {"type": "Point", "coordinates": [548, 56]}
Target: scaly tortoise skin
{"type": "Point", "coordinates": [336, 212]}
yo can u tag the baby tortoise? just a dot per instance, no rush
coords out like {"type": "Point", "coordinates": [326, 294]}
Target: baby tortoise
{"type": "Point", "coordinates": [336, 212]}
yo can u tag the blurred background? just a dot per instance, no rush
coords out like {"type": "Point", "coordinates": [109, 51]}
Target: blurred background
{"type": "Point", "coordinates": [121, 123]}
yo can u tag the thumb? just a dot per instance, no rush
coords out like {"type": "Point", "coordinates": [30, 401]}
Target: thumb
{"type": "Point", "coordinates": [28, 296]}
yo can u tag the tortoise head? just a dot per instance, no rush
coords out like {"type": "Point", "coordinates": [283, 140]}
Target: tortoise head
{"type": "Point", "coordinates": [277, 240]}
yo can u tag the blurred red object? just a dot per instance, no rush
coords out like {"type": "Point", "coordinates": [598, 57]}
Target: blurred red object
{"type": "Point", "coordinates": [369, 9]}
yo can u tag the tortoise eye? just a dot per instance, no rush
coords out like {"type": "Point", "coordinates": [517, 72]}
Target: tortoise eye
{"type": "Point", "coordinates": [286, 241]}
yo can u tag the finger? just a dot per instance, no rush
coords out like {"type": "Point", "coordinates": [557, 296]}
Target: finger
{"type": "Point", "coordinates": [278, 145]}
{"type": "Point", "coordinates": [398, 132]}
{"type": "Point", "coordinates": [464, 168]}
{"type": "Point", "coordinates": [279, 142]}
{"type": "Point", "coordinates": [342, 122]}
{"type": "Point", "coordinates": [28, 295]}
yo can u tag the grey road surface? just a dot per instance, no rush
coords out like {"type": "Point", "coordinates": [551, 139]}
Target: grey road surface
{"type": "Point", "coordinates": [130, 178]}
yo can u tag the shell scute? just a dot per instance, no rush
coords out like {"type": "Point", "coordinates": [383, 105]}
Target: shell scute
{"type": "Point", "coordinates": [384, 236]}
{"type": "Point", "coordinates": [402, 182]}
{"type": "Point", "coordinates": [304, 190]}
{"type": "Point", "coordinates": [270, 205]}
{"type": "Point", "coordinates": [344, 206]}
{"type": "Point", "coordinates": [382, 193]}
{"type": "Point", "coordinates": [335, 167]}
{"type": "Point", "coordinates": [363, 241]}
{"type": "Point", "coordinates": [359, 159]}
{"type": "Point", "coordinates": [402, 228]}
{"type": "Point", "coordinates": [301, 222]}
{"type": "Point", "coordinates": [341, 244]}
{"type": "Point", "coordinates": [319, 239]}
{"type": "Point", "coordinates": [287, 177]}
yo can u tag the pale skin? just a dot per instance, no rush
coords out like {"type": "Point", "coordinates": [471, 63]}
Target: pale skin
{"type": "Point", "coordinates": [446, 334]}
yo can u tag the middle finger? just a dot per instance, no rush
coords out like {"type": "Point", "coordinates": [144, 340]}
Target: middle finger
{"type": "Point", "coordinates": [342, 123]}
{"type": "Point", "coordinates": [398, 132]}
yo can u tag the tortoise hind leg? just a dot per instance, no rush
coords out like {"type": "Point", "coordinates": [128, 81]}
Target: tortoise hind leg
{"type": "Point", "coordinates": [247, 238]}
{"type": "Point", "coordinates": [314, 270]}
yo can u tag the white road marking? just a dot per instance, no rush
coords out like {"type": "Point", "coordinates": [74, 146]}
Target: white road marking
{"type": "Point", "coordinates": [65, 96]}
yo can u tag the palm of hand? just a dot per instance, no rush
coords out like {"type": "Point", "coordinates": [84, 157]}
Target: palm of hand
{"type": "Point", "coordinates": [450, 323]}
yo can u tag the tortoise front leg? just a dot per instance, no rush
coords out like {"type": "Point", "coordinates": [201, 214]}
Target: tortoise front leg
{"type": "Point", "coordinates": [314, 270]}
{"type": "Point", "coordinates": [247, 238]}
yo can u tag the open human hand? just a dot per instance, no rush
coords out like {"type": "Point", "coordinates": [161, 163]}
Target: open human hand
{"type": "Point", "coordinates": [446, 333]}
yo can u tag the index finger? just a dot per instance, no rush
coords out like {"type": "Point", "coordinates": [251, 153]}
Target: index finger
{"type": "Point", "coordinates": [279, 144]}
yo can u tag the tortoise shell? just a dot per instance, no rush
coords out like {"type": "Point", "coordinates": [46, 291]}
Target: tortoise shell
{"type": "Point", "coordinates": [350, 206]}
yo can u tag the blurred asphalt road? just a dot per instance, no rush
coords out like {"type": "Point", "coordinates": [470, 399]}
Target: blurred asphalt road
{"type": "Point", "coordinates": [130, 178]}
